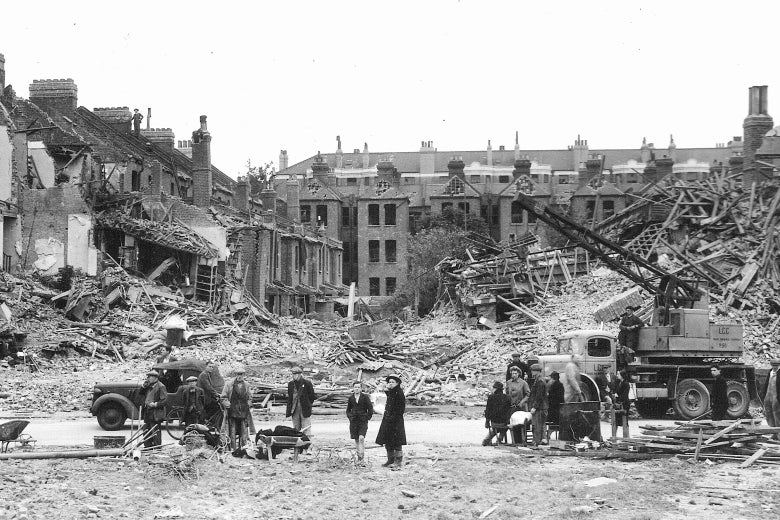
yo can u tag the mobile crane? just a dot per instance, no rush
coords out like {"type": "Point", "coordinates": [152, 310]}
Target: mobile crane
{"type": "Point", "coordinates": [675, 350]}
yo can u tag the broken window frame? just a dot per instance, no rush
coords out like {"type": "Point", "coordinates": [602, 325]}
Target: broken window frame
{"type": "Point", "coordinates": [322, 215]}
{"type": "Point", "coordinates": [373, 252]}
{"type": "Point", "coordinates": [374, 286]}
{"type": "Point", "coordinates": [305, 214]}
{"type": "Point", "coordinates": [391, 251]}
{"type": "Point", "coordinates": [391, 285]}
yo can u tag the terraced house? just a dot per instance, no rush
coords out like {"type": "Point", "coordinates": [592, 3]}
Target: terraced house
{"type": "Point", "coordinates": [371, 201]}
{"type": "Point", "coordinates": [84, 188]}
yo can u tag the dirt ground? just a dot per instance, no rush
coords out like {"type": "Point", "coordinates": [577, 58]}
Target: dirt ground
{"type": "Point", "coordinates": [438, 482]}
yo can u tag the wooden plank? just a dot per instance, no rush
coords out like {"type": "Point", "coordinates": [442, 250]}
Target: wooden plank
{"type": "Point", "coordinates": [757, 455]}
{"type": "Point", "coordinates": [723, 432]}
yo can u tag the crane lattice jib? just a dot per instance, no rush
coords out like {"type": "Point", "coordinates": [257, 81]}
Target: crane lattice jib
{"type": "Point", "coordinates": [675, 290]}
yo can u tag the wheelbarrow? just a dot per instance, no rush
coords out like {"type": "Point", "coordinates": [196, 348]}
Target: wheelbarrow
{"type": "Point", "coordinates": [270, 442]}
{"type": "Point", "coordinates": [12, 432]}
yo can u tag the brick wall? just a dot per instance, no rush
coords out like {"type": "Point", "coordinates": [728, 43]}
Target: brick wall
{"type": "Point", "coordinates": [382, 233]}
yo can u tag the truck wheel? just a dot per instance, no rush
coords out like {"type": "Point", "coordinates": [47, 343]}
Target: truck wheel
{"type": "Point", "coordinates": [693, 399]}
{"type": "Point", "coordinates": [739, 400]}
{"type": "Point", "coordinates": [111, 416]}
{"type": "Point", "coordinates": [652, 409]}
{"type": "Point", "coordinates": [589, 390]}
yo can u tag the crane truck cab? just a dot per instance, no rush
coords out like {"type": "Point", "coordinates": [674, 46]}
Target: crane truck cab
{"type": "Point", "coordinates": [594, 351]}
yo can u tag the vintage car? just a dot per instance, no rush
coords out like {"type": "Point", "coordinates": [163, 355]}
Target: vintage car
{"type": "Point", "coordinates": [114, 403]}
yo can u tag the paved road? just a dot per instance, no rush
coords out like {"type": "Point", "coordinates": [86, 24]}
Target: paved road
{"type": "Point", "coordinates": [80, 431]}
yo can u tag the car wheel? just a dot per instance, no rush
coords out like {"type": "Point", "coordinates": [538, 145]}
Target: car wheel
{"type": "Point", "coordinates": [739, 400]}
{"type": "Point", "coordinates": [692, 400]}
{"type": "Point", "coordinates": [111, 416]}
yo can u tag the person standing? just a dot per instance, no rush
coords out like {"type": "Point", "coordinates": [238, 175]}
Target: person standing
{"type": "Point", "coordinates": [622, 393]}
{"type": "Point", "coordinates": [193, 402]}
{"type": "Point", "coordinates": [137, 118]}
{"type": "Point", "coordinates": [628, 337]}
{"type": "Point", "coordinates": [154, 407]}
{"type": "Point", "coordinates": [517, 390]}
{"type": "Point", "coordinates": [497, 414]}
{"type": "Point", "coordinates": [772, 396]}
{"type": "Point", "coordinates": [212, 383]}
{"type": "Point", "coordinates": [720, 398]}
{"type": "Point", "coordinates": [516, 362]}
{"type": "Point", "coordinates": [359, 412]}
{"type": "Point", "coordinates": [170, 378]}
{"type": "Point", "coordinates": [555, 394]}
{"type": "Point", "coordinates": [300, 397]}
{"type": "Point", "coordinates": [392, 433]}
{"type": "Point", "coordinates": [539, 404]}
{"type": "Point", "coordinates": [237, 400]}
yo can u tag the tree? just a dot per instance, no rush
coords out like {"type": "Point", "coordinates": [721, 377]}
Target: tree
{"type": "Point", "coordinates": [437, 237]}
{"type": "Point", "coordinates": [258, 176]}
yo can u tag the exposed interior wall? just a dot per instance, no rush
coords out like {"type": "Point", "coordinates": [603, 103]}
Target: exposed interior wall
{"type": "Point", "coordinates": [81, 252]}
{"type": "Point", "coordinates": [43, 162]}
{"type": "Point", "coordinates": [6, 163]}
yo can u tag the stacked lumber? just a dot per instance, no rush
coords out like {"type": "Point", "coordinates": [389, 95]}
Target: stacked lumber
{"type": "Point", "coordinates": [745, 441]}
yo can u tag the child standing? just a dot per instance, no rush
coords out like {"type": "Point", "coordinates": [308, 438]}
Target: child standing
{"type": "Point", "coordinates": [359, 412]}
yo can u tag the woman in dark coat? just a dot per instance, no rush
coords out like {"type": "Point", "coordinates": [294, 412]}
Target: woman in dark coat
{"type": "Point", "coordinates": [497, 413]}
{"type": "Point", "coordinates": [555, 394]}
{"type": "Point", "coordinates": [391, 432]}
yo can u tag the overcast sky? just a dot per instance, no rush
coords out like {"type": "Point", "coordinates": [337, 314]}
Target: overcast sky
{"type": "Point", "coordinates": [293, 75]}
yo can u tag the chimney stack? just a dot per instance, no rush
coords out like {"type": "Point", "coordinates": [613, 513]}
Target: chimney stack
{"type": "Point", "coordinates": [293, 199]}
{"type": "Point", "coordinates": [522, 167]}
{"type": "Point", "coordinates": [117, 117]}
{"type": "Point", "coordinates": [2, 73]}
{"type": "Point", "coordinates": [57, 97]}
{"type": "Point", "coordinates": [517, 145]}
{"type": "Point", "coordinates": [156, 175]}
{"type": "Point", "coordinates": [242, 196]}
{"type": "Point", "coordinates": [339, 153]}
{"type": "Point", "coordinates": [664, 166]}
{"type": "Point", "coordinates": [489, 155]}
{"type": "Point", "coordinates": [386, 171]}
{"type": "Point", "coordinates": [320, 170]}
{"type": "Point", "coordinates": [427, 158]}
{"type": "Point", "coordinates": [268, 198]}
{"type": "Point", "coordinates": [756, 125]}
{"type": "Point", "coordinates": [456, 166]}
{"type": "Point", "coordinates": [201, 166]}
{"type": "Point", "coordinates": [283, 160]}
{"type": "Point", "coordinates": [579, 152]}
{"type": "Point", "coordinates": [162, 137]}
{"type": "Point", "coordinates": [366, 157]}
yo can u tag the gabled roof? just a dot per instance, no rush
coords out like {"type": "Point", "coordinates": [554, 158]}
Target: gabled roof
{"type": "Point", "coordinates": [454, 187]}
{"type": "Point", "coordinates": [608, 189]}
{"type": "Point", "coordinates": [28, 116]}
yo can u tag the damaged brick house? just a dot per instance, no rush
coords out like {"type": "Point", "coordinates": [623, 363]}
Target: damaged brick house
{"type": "Point", "coordinates": [84, 190]}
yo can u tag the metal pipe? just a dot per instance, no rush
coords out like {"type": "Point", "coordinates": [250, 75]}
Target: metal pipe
{"type": "Point", "coordinates": [74, 454]}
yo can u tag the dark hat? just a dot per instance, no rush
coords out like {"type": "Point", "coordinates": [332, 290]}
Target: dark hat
{"type": "Point", "coordinates": [394, 377]}
{"type": "Point", "coordinates": [536, 367]}
{"type": "Point", "coordinates": [499, 385]}
{"type": "Point", "coordinates": [296, 370]}
{"type": "Point", "coordinates": [516, 354]}
{"type": "Point", "coordinates": [774, 362]}
{"type": "Point", "coordinates": [555, 375]}
{"type": "Point", "coordinates": [154, 373]}
{"type": "Point", "coordinates": [192, 379]}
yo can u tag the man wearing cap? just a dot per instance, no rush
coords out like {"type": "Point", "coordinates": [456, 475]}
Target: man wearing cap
{"type": "Point", "coordinates": [193, 401]}
{"type": "Point", "coordinates": [392, 433]}
{"type": "Point", "coordinates": [772, 396]}
{"type": "Point", "coordinates": [719, 397]}
{"type": "Point", "coordinates": [628, 337]}
{"type": "Point", "coordinates": [212, 383]}
{"type": "Point", "coordinates": [538, 403]}
{"type": "Point", "coordinates": [516, 362]}
{"type": "Point", "coordinates": [300, 396]}
{"type": "Point", "coordinates": [154, 407]}
{"type": "Point", "coordinates": [236, 400]}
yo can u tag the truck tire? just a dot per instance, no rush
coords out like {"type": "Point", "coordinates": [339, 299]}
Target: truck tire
{"type": "Point", "coordinates": [590, 391]}
{"type": "Point", "coordinates": [111, 416]}
{"type": "Point", "coordinates": [652, 408]}
{"type": "Point", "coordinates": [739, 400]}
{"type": "Point", "coordinates": [692, 399]}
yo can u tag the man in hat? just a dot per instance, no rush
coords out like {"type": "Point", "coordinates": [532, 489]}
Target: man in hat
{"type": "Point", "coordinates": [628, 337]}
{"type": "Point", "coordinates": [193, 401]}
{"type": "Point", "coordinates": [516, 362]}
{"type": "Point", "coordinates": [555, 397]}
{"type": "Point", "coordinates": [772, 396]}
{"type": "Point", "coordinates": [392, 433]}
{"type": "Point", "coordinates": [300, 397]}
{"type": "Point", "coordinates": [212, 383]}
{"type": "Point", "coordinates": [237, 399]}
{"type": "Point", "coordinates": [538, 403]}
{"type": "Point", "coordinates": [154, 407]}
